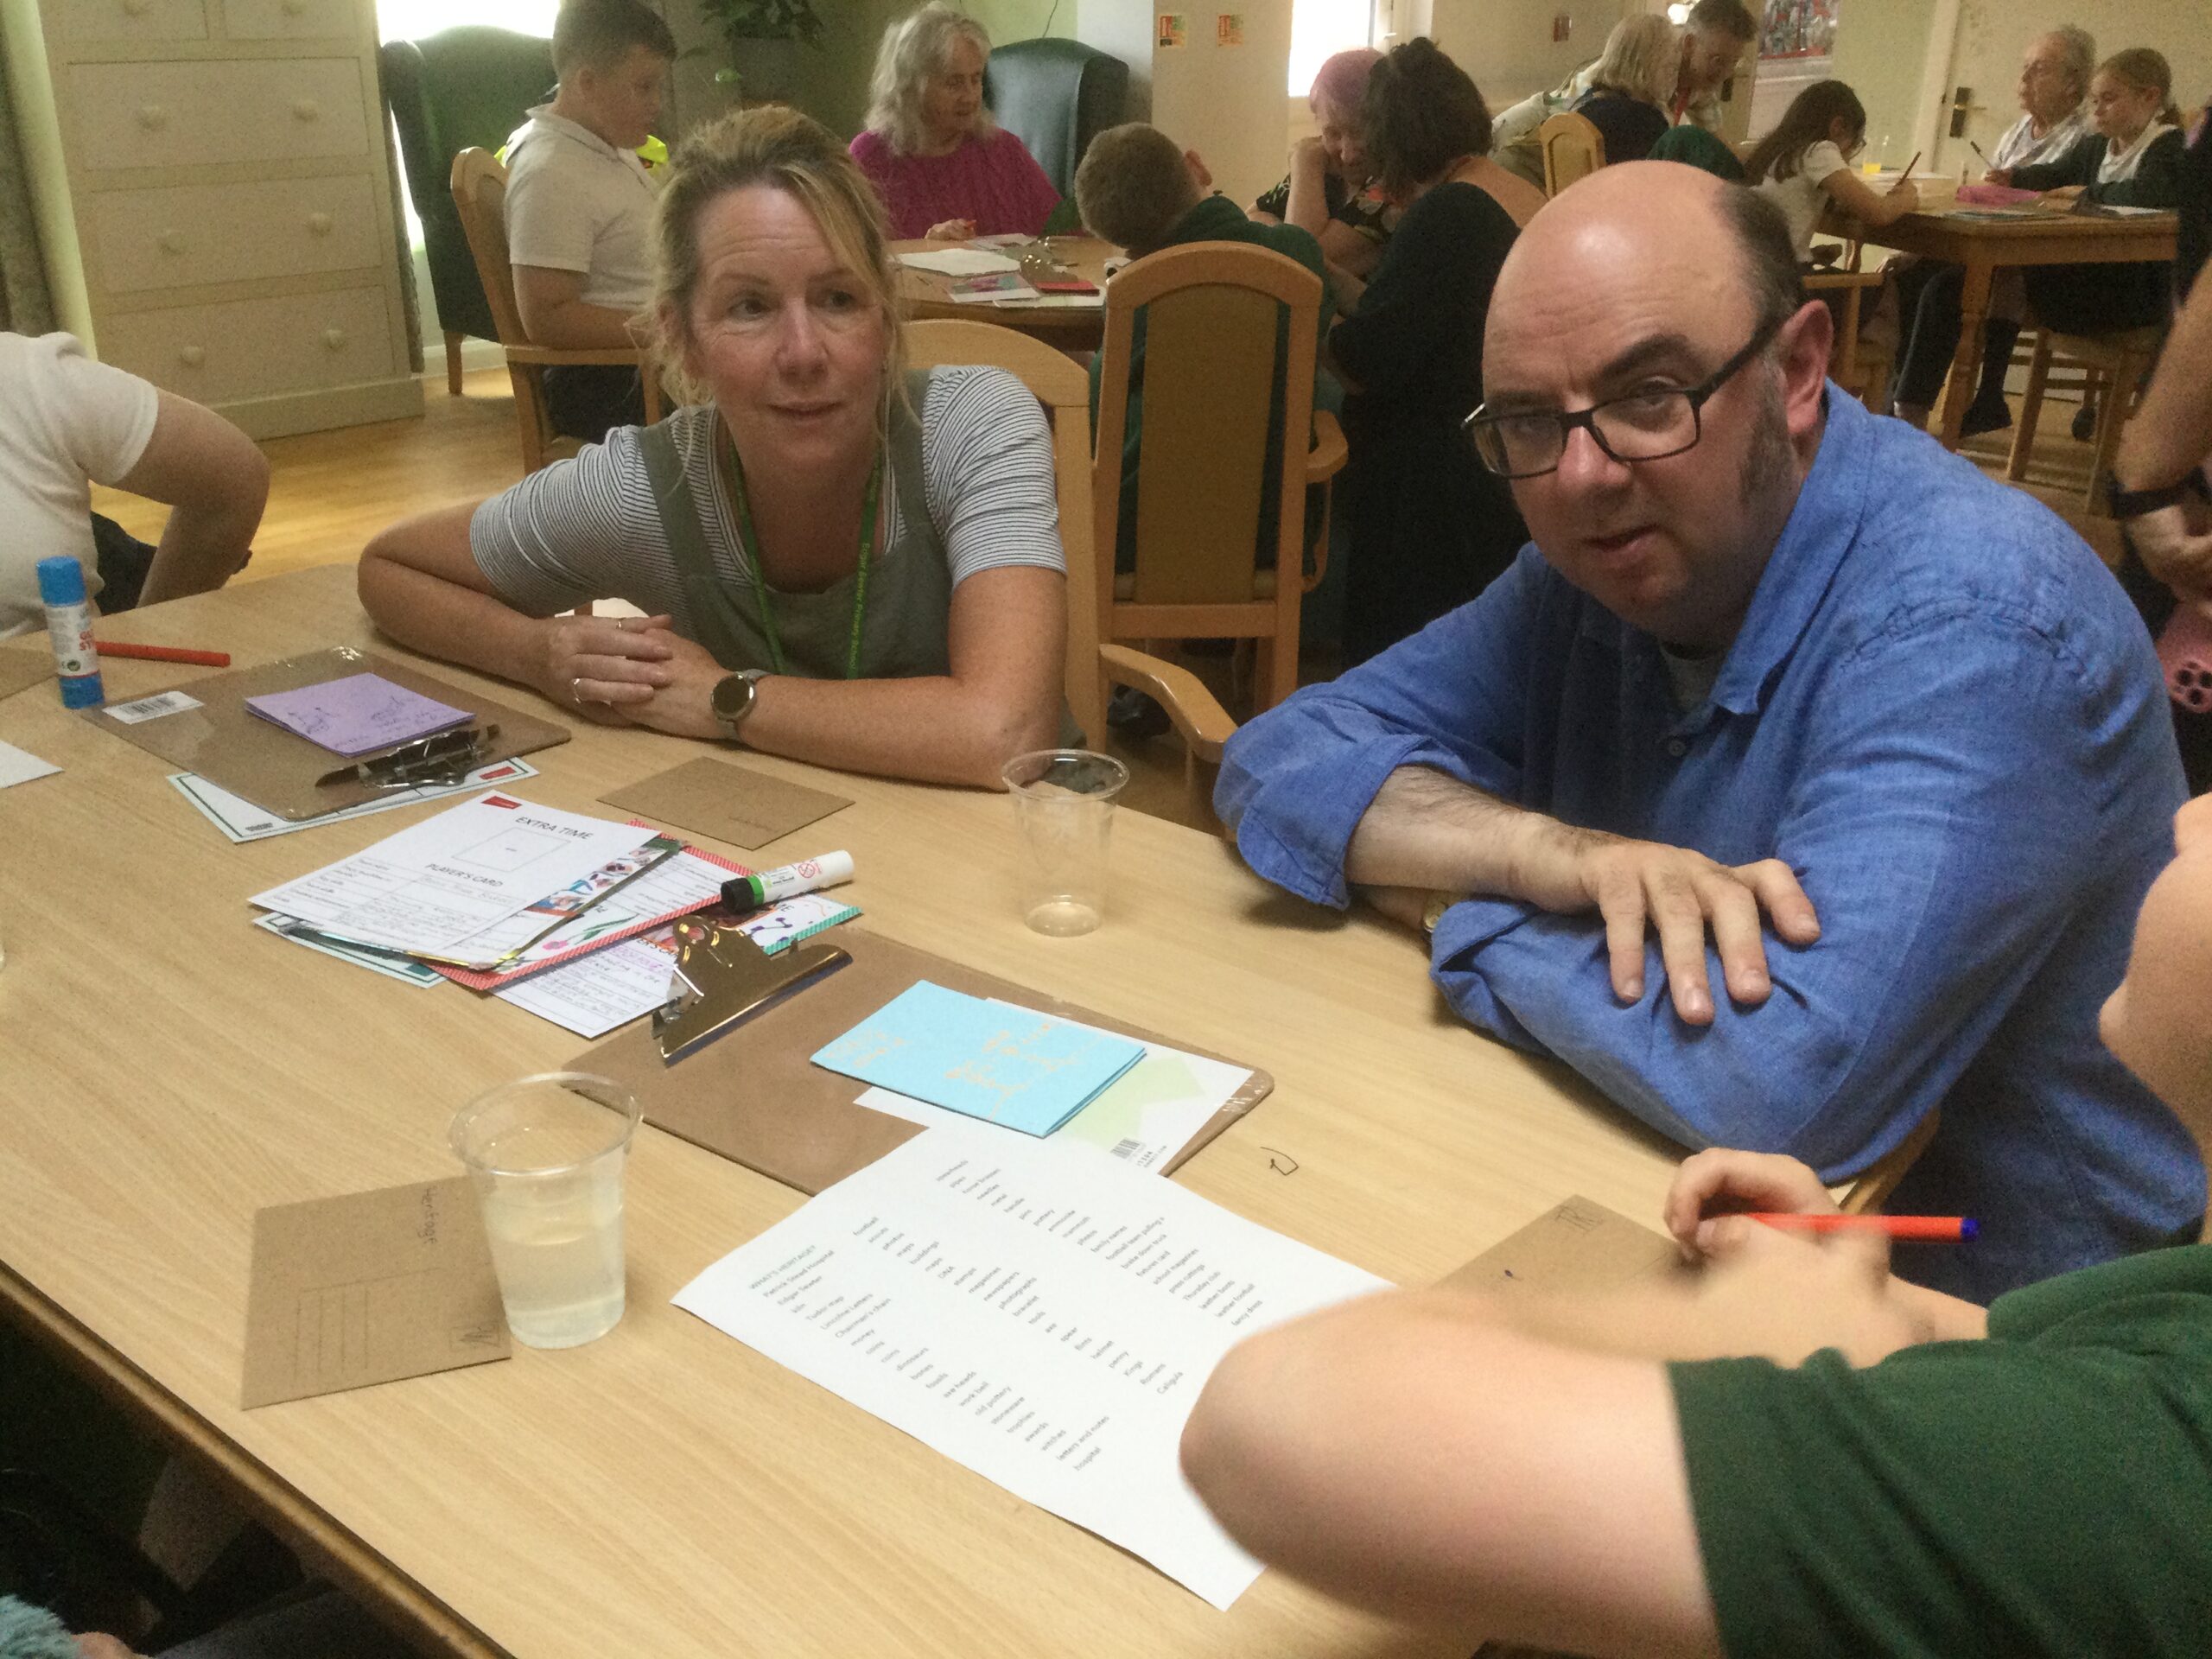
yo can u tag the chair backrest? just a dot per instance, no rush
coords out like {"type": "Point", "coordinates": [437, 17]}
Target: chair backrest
{"type": "Point", "coordinates": [460, 87]}
{"type": "Point", "coordinates": [1056, 96]}
{"type": "Point", "coordinates": [1064, 390]}
{"type": "Point", "coordinates": [1573, 147]}
{"type": "Point", "coordinates": [1212, 313]}
{"type": "Point", "coordinates": [479, 188]}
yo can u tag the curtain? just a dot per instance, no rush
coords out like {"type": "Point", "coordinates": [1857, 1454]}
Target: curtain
{"type": "Point", "coordinates": [25, 307]}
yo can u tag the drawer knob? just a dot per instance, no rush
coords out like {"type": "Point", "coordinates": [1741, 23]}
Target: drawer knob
{"type": "Point", "coordinates": [153, 116]}
{"type": "Point", "coordinates": [171, 241]}
{"type": "Point", "coordinates": [193, 356]}
{"type": "Point", "coordinates": [320, 224]}
{"type": "Point", "coordinates": [333, 340]}
{"type": "Point", "coordinates": [304, 109]}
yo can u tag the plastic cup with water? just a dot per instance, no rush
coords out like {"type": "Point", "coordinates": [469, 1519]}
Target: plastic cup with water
{"type": "Point", "coordinates": [546, 1154]}
{"type": "Point", "coordinates": [1064, 801]}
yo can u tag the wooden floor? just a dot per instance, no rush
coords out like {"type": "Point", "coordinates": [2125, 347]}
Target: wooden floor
{"type": "Point", "coordinates": [332, 491]}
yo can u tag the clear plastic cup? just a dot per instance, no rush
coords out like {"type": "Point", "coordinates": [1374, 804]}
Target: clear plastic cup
{"type": "Point", "coordinates": [546, 1154]}
{"type": "Point", "coordinates": [1064, 801]}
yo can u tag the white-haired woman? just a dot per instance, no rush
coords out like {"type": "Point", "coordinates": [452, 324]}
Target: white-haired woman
{"type": "Point", "coordinates": [943, 166]}
{"type": "Point", "coordinates": [1629, 90]}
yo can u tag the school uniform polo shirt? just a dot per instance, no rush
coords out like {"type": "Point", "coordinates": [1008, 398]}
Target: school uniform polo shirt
{"type": "Point", "coordinates": [575, 202]}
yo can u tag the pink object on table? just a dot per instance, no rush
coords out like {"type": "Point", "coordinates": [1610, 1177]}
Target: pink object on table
{"type": "Point", "coordinates": [357, 714]}
{"type": "Point", "coordinates": [993, 180]}
{"type": "Point", "coordinates": [2185, 653]}
{"type": "Point", "coordinates": [1996, 195]}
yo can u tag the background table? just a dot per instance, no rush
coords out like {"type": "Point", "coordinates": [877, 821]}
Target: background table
{"type": "Point", "coordinates": [1075, 329]}
{"type": "Point", "coordinates": [1982, 245]}
{"type": "Point", "coordinates": [665, 1490]}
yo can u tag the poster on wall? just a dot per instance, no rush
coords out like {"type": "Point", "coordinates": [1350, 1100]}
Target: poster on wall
{"type": "Point", "coordinates": [1229, 28]}
{"type": "Point", "coordinates": [1175, 30]}
{"type": "Point", "coordinates": [1798, 28]}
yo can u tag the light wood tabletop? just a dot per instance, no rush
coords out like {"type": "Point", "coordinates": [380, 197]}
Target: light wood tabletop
{"type": "Point", "coordinates": [171, 1070]}
{"type": "Point", "coordinates": [928, 293]}
{"type": "Point", "coordinates": [1962, 233]}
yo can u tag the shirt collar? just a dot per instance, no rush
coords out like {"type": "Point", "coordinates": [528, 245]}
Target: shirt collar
{"type": "Point", "coordinates": [563, 127]}
{"type": "Point", "coordinates": [1822, 525]}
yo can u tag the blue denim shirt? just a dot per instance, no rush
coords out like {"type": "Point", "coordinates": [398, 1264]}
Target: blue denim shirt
{"type": "Point", "coordinates": [1943, 715]}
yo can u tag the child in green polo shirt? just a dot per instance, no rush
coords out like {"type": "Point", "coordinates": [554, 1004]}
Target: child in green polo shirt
{"type": "Point", "coordinates": [1795, 1454]}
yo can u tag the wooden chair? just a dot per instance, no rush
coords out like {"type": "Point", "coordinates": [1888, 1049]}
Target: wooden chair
{"type": "Point", "coordinates": [1572, 148]}
{"type": "Point", "coordinates": [1212, 313]}
{"type": "Point", "coordinates": [479, 195]}
{"type": "Point", "coordinates": [1863, 373]}
{"type": "Point", "coordinates": [2116, 363]}
{"type": "Point", "coordinates": [1063, 389]}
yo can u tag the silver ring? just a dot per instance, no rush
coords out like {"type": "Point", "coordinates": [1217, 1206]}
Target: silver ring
{"type": "Point", "coordinates": [576, 688]}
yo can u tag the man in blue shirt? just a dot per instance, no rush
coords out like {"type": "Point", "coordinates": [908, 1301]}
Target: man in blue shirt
{"type": "Point", "coordinates": [1783, 676]}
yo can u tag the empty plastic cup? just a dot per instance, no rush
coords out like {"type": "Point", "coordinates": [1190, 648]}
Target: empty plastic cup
{"type": "Point", "coordinates": [546, 1154]}
{"type": "Point", "coordinates": [1064, 801]}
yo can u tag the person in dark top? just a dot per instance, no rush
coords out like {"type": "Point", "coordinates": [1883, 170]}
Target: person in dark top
{"type": "Point", "coordinates": [1428, 527]}
{"type": "Point", "coordinates": [1629, 90]}
{"type": "Point", "coordinates": [2133, 159]}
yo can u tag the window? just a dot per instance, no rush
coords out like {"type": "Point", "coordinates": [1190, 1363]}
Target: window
{"type": "Point", "coordinates": [1319, 29]}
{"type": "Point", "coordinates": [409, 20]}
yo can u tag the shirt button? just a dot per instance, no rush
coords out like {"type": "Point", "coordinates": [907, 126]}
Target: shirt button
{"type": "Point", "coordinates": [1676, 748]}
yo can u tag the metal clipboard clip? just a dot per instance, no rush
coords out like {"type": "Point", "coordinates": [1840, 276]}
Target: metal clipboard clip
{"type": "Point", "coordinates": [441, 758]}
{"type": "Point", "coordinates": [723, 978]}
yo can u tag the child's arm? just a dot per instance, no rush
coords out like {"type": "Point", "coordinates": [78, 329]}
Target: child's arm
{"type": "Point", "coordinates": [1852, 197]}
{"type": "Point", "coordinates": [553, 310]}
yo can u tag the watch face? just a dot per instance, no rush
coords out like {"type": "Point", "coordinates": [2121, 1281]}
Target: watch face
{"type": "Point", "coordinates": [733, 698]}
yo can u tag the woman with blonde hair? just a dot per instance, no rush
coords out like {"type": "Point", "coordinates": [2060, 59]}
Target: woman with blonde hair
{"type": "Point", "coordinates": [838, 560]}
{"type": "Point", "coordinates": [942, 166]}
{"type": "Point", "coordinates": [1629, 88]}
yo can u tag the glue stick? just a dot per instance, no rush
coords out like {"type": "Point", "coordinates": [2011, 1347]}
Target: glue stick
{"type": "Point", "coordinates": [69, 625]}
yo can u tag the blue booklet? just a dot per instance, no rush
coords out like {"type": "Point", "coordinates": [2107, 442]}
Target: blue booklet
{"type": "Point", "coordinates": [1009, 1065]}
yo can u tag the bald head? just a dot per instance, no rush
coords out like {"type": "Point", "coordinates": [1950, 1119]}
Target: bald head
{"type": "Point", "coordinates": [1644, 217]}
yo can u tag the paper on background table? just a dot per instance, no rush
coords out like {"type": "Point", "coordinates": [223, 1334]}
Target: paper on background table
{"type": "Point", "coordinates": [434, 883]}
{"type": "Point", "coordinates": [1005, 1064]}
{"type": "Point", "coordinates": [20, 765]}
{"type": "Point", "coordinates": [241, 821]}
{"type": "Point", "coordinates": [357, 712]}
{"type": "Point", "coordinates": [369, 1288]}
{"type": "Point", "coordinates": [595, 993]}
{"type": "Point", "coordinates": [505, 940]}
{"type": "Point", "coordinates": [1144, 1117]}
{"type": "Point", "coordinates": [959, 262]}
{"type": "Point", "coordinates": [998, 288]}
{"type": "Point", "coordinates": [1042, 1316]}
{"type": "Point", "coordinates": [733, 803]}
{"type": "Point", "coordinates": [392, 964]}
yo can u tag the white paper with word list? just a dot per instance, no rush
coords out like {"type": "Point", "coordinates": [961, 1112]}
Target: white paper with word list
{"type": "Point", "coordinates": [1044, 1316]}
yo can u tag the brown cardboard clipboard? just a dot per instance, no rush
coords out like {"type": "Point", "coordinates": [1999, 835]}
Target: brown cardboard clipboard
{"type": "Point", "coordinates": [754, 1096]}
{"type": "Point", "coordinates": [232, 747]}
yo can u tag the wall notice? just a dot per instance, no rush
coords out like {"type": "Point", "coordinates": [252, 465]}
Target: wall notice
{"type": "Point", "coordinates": [1175, 30]}
{"type": "Point", "coordinates": [1229, 28]}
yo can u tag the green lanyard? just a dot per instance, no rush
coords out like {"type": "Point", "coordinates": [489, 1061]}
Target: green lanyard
{"type": "Point", "coordinates": [749, 549]}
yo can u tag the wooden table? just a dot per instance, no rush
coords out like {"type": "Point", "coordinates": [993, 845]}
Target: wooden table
{"type": "Point", "coordinates": [1983, 246]}
{"type": "Point", "coordinates": [665, 1490]}
{"type": "Point", "coordinates": [1075, 329]}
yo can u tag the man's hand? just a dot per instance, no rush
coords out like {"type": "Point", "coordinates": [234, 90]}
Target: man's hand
{"type": "Point", "coordinates": [951, 229]}
{"type": "Point", "coordinates": [1636, 885]}
{"type": "Point", "coordinates": [2174, 544]}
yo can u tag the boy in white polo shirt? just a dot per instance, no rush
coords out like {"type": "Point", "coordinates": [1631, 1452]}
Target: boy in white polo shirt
{"type": "Point", "coordinates": [580, 206]}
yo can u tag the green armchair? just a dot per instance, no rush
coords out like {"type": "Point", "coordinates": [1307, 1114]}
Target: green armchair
{"type": "Point", "coordinates": [465, 88]}
{"type": "Point", "coordinates": [1056, 96]}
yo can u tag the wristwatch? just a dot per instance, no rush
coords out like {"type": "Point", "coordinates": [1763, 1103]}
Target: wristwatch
{"type": "Point", "coordinates": [2133, 503]}
{"type": "Point", "coordinates": [733, 700]}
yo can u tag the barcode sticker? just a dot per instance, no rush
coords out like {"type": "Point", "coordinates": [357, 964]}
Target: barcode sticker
{"type": "Point", "coordinates": [153, 708]}
{"type": "Point", "coordinates": [1126, 1148]}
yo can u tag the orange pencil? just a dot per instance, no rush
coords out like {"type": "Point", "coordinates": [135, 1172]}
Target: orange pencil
{"type": "Point", "coordinates": [1953, 1229]}
{"type": "Point", "coordinates": [164, 653]}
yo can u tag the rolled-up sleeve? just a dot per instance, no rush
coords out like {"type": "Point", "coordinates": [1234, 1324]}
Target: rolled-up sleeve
{"type": "Point", "coordinates": [1296, 781]}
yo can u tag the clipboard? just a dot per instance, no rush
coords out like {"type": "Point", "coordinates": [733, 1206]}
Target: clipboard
{"type": "Point", "coordinates": [234, 748]}
{"type": "Point", "coordinates": [754, 1098]}
{"type": "Point", "coordinates": [1577, 1249]}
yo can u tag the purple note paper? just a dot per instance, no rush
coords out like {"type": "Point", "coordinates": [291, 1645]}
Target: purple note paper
{"type": "Point", "coordinates": [358, 714]}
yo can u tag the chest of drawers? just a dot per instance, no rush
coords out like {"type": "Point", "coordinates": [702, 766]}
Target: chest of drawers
{"type": "Point", "coordinates": [213, 184]}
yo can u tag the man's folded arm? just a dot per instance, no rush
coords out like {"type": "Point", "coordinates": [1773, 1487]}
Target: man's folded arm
{"type": "Point", "coordinates": [1945, 828]}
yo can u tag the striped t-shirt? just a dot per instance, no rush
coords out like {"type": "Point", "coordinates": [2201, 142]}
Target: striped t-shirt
{"type": "Point", "coordinates": [587, 529]}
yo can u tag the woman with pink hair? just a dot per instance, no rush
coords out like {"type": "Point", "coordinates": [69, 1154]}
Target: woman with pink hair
{"type": "Point", "coordinates": [1329, 192]}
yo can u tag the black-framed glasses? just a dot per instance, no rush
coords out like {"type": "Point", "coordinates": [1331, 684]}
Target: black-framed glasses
{"type": "Point", "coordinates": [1642, 426]}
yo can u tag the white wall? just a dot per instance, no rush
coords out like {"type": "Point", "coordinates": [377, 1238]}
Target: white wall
{"type": "Point", "coordinates": [1506, 45]}
{"type": "Point", "coordinates": [1226, 102]}
{"type": "Point", "coordinates": [1881, 52]}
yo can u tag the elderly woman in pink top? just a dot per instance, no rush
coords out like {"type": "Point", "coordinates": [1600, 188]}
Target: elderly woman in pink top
{"type": "Point", "coordinates": [941, 164]}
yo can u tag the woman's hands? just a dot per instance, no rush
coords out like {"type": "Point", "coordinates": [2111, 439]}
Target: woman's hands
{"type": "Point", "coordinates": [631, 671]}
{"type": "Point", "coordinates": [951, 229]}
